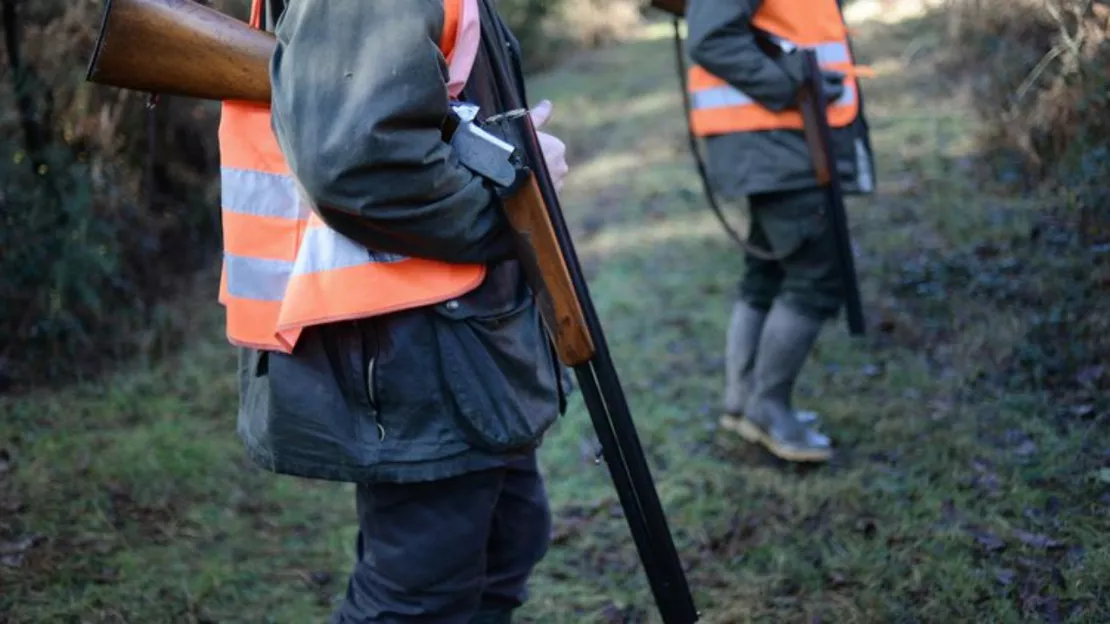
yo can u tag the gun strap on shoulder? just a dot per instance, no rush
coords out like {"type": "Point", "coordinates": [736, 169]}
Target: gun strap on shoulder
{"type": "Point", "coordinates": [699, 162]}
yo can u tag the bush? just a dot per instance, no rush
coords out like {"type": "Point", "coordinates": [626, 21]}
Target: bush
{"type": "Point", "coordinates": [87, 251]}
{"type": "Point", "coordinates": [1038, 78]}
{"type": "Point", "coordinates": [1037, 70]}
{"type": "Point", "coordinates": [1039, 82]}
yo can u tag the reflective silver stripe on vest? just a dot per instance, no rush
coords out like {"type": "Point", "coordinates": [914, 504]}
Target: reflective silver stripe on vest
{"type": "Point", "coordinates": [263, 194]}
{"type": "Point", "coordinates": [260, 194]}
{"type": "Point", "coordinates": [724, 96]}
{"type": "Point", "coordinates": [829, 53]}
{"type": "Point", "coordinates": [324, 249]}
{"type": "Point", "coordinates": [256, 278]}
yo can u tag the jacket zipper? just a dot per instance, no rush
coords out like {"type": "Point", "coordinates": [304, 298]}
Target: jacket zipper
{"type": "Point", "coordinates": [370, 384]}
{"type": "Point", "coordinates": [373, 398]}
{"type": "Point", "coordinates": [370, 346]}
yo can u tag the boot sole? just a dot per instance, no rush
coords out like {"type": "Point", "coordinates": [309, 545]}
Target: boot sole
{"type": "Point", "coordinates": [751, 433]}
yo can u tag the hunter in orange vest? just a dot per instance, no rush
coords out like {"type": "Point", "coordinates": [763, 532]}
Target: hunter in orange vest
{"type": "Point", "coordinates": [284, 269]}
{"type": "Point", "coordinates": [387, 336]}
{"type": "Point", "coordinates": [743, 108]}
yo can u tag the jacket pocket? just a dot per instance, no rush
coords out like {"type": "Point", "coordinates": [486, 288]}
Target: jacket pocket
{"type": "Point", "coordinates": [498, 364]}
{"type": "Point", "coordinates": [314, 399]}
{"type": "Point", "coordinates": [790, 220]}
{"type": "Point", "coordinates": [409, 400]}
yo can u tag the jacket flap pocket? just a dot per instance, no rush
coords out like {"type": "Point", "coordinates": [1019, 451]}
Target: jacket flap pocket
{"type": "Point", "coordinates": [502, 294]}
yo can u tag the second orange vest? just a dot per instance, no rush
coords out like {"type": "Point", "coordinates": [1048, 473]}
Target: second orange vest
{"type": "Point", "coordinates": [719, 108]}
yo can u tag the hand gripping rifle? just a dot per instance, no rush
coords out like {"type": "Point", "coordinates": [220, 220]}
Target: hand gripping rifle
{"type": "Point", "coordinates": [180, 47]}
{"type": "Point", "coordinates": [813, 103]}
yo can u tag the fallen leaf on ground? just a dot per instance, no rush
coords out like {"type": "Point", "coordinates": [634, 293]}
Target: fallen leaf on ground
{"type": "Point", "coordinates": [989, 541]}
{"type": "Point", "coordinates": [1035, 540]}
{"type": "Point", "coordinates": [12, 553]}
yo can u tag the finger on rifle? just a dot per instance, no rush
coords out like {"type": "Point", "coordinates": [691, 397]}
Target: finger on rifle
{"type": "Point", "coordinates": [541, 113]}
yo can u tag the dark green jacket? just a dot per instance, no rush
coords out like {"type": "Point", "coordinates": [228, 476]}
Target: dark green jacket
{"type": "Point", "coordinates": [358, 99]}
{"type": "Point", "coordinates": [745, 163]}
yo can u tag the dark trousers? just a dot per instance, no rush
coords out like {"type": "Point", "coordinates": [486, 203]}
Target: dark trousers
{"type": "Point", "coordinates": [448, 552]}
{"type": "Point", "coordinates": [794, 227]}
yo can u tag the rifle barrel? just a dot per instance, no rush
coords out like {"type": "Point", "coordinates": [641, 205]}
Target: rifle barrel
{"type": "Point", "coordinates": [600, 385]}
{"type": "Point", "coordinates": [620, 444]}
{"type": "Point", "coordinates": [834, 193]}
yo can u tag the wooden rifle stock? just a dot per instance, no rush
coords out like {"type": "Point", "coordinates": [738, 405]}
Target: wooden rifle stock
{"type": "Point", "coordinates": [562, 311]}
{"type": "Point", "coordinates": [811, 123]}
{"type": "Point", "coordinates": [181, 47]}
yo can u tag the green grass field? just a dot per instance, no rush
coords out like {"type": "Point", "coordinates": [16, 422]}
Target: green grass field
{"type": "Point", "coordinates": [966, 488]}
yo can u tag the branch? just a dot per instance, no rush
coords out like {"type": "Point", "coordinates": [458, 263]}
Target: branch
{"type": "Point", "coordinates": [33, 136]}
{"type": "Point", "coordinates": [1036, 72]}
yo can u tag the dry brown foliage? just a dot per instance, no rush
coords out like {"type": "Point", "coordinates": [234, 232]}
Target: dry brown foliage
{"type": "Point", "coordinates": [88, 251]}
{"type": "Point", "coordinates": [1038, 70]}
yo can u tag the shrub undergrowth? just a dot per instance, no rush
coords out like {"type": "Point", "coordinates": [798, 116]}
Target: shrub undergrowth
{"type": "Point", "coordinates": [1037, 71]}
{"type": "Point", "coordinates": [109, 208]}
{"type": "Point", "coordinates": [97, 227]}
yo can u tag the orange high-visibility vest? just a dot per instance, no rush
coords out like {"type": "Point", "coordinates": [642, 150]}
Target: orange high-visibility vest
{"type": "Point", "coordinates": [719, 108]}
{"type": "Point", "coordinates": [284, 269]}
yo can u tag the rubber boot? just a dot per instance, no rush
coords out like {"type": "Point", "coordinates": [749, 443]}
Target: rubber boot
{"type": "Point", "coordinates": [784, 345]}
{"type": "Point", "coordinates": [741, 345]}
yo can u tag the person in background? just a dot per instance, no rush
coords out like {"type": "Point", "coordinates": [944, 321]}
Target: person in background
{"type": "Point", "coordinates": [743, 106]}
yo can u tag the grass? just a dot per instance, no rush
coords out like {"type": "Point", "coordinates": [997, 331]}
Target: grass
{"type": "Point", "coordinates": [971, 483]}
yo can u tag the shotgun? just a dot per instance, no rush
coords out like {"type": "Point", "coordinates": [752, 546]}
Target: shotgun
{"type": "Point", "coordinates": [537, 216]}
{"type": "Point", "coordinates": [194, 51]}
{"type": "Point", "coordinates": [812, 102]}
{"type": "Point", "coordinates": [181, 47]}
